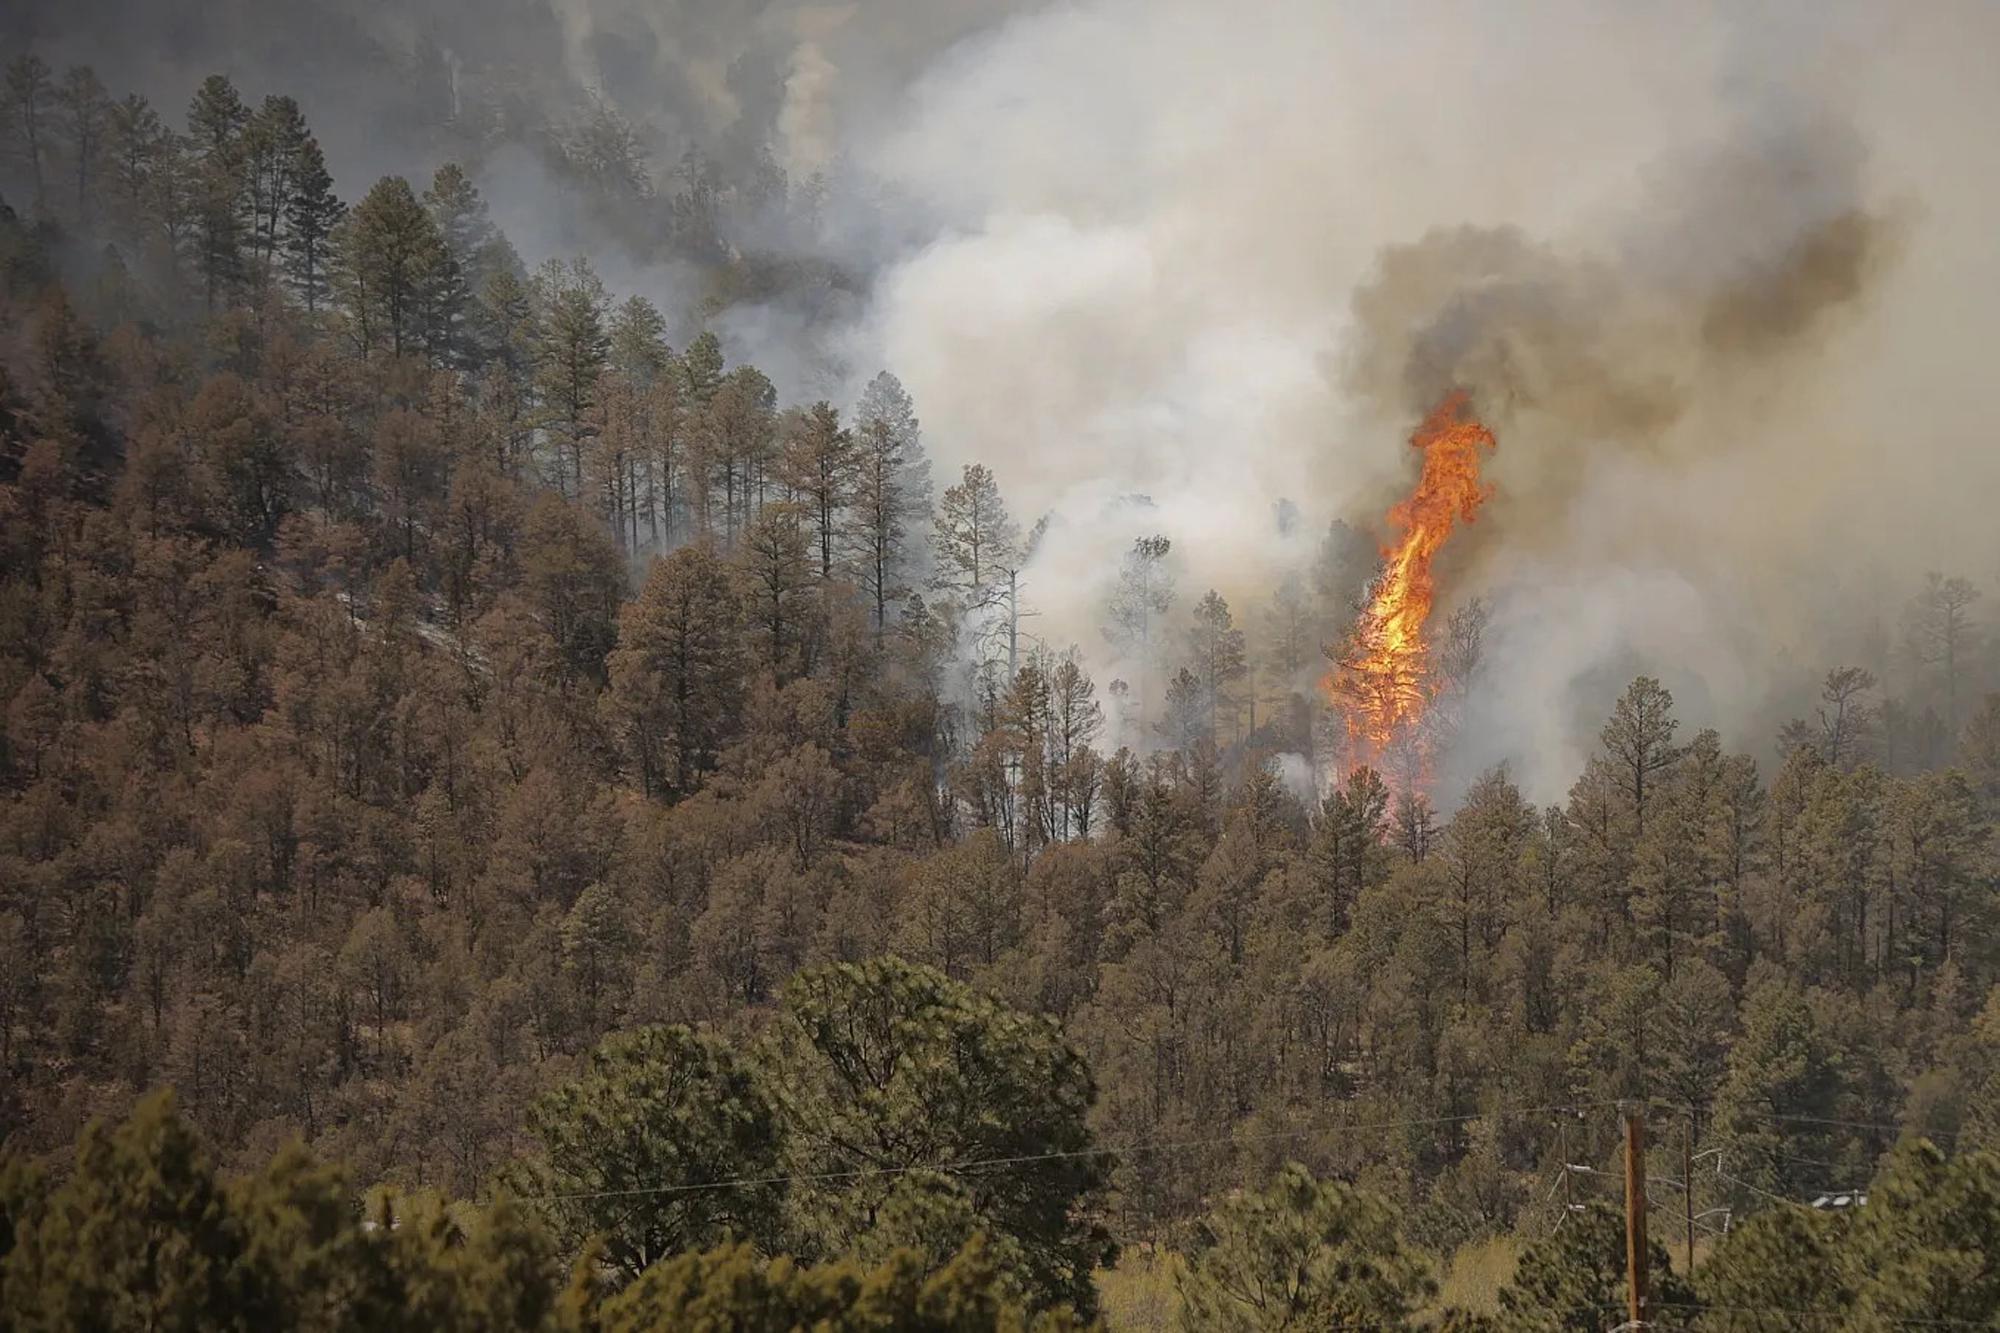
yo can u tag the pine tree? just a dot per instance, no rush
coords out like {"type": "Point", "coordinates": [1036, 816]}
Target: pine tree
{"type": "Point", "coordinates": [640, 354]}
{"type": "Point", "coordinates": [576, 579]}
{"type": "Point", "coordinates": [312, 216]}
{"type": "Point", "coordinates": [972, 540]}
{"type": "Point", "coordinates": [676, 677]}
{"type": "Point", "coordinates": [172, 206]}
{"type": "Point", "coordinates": [1573, 1280]}
{"type": "Point", "coordinates": [817, 469]}
{"type": "Point", "coordinates": [504, 327]}
{"type": "Point", "coordinates": [776, 571]}
{"type": "Point", "coordinates": [1785, 1260]}
{"type": "Point", "coordinates": [1076, 720]}
{"type": "Point", "coordinates": [1639, 738]}
{"type": "Point", "coordinates": [219, 193]}
{"type": "Point", "coordinates": [1144, 594]}
{"type": "Point", "coordinates": [734, 1287]}
{"type": "Point", "coordinates": [30, 91]}
{"type": "Point", "coordinates": [1346, 856]}
{"type": "Point", "coordinates": [460, 214]}
{"type": "Point", "coordinates": [1216, 652]}
{"type": "Point", "coordinates": [389, 258]}
{"type": "Point", "coordinates": [888, 1065]}
{"type": "Point", "coordinates": [135, 142]}
{"type": "Point", "coordinates": [216, 116]}
{"type": "Point", "coordinates": [141, 1235]}
{"type": "Point", "coordinates": [735, 442]}
{"type": "Point", "coordinates": [85, 125]}
{"type": "Point", "coordinates": [892, 486]}
{"type": "Point", "coordinates": [274, 147]}
{"type": "Point", "coordinates": [1304, 1253]}
{"type": "Point", "coordinates": [1186, 720]}
{"type": "Point", "coordinates": [572, 347]}
{"type": "Point", "coordinates": [638, 341]}
{"type": "Point", "coordinates": [475, 250]}
{"type": "Point", "coordinates": [701, 369]}
{"type": "Point", "coordinates": [660, 1106]}
{"type": "Point", "coordinates": [1942, 633]}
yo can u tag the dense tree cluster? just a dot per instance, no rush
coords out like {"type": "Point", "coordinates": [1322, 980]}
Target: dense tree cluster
{"type": "Point", "coordinates": [417, 673]}
{"type": "Point", "coordinates": [144, 1234]}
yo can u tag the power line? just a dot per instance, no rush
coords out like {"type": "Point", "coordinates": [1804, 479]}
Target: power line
{"type": "Point", "coordinates": [1754, 1146]}
{"type": "Point", "coordinates": [1744, 1184]}
{"type": "Point", "coordinates": [1910, 1321]}
{"type": "Point", "coordinates": [1843, 1124]}
{"type": "Point", "coordinates": [1131, 1147]}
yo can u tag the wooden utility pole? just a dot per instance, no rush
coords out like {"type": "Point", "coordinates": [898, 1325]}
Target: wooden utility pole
{"type": "Point", "coordinates": [1635, 1213]}
{"type": "Point", "coordinates": [1569, 1199]}
{"type": "Point", "coordinates": [1687, 1189]}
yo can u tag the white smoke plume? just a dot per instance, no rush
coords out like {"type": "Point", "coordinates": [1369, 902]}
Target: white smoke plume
{"type": "Point", "coordinates": [1714, 274]}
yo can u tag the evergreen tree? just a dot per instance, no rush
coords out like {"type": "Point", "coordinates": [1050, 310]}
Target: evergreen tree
{"type": "Point", "coordinates": [1780, 1265]}
{"type": "Point", "coordinates": [1574, 1281]}
{"type": "Point", "coordinates": [1217, 656]}
{"type": "Point", "coordinates": [474, 251]}
{"type": "Point", "coordinates": [1144, 594]}
{"type": "Point", "coordinates": [575, 578]}
{"type": "Point", "coordinates": [1291, 641]}
{"type": "Point", "coordinates": [817, 467]}
{"type": "Point", "coordinates": [677, 675]}
{"type": "Point", "coordinates": [136, 142]}
{"type": "Point", "coordinates": [1639, 739]}
{"type": "Point", "coordinates": [775, 567]}
{"type": "Point", "coordinates": [891, 1068]}
{"type": "Point", "coordinates": [627, 1147]}
{"type": "Point", "coordinates": [1942, 633]}
{"type": "Point", "coordinates": [638, 341]}
{"type": "Point", "coordinates": [1075, 769]}
{"type": "Point", "coordinates": [389, 261]}
{"type": "Point", "coordinates": [972, 540]}
{"type": "Point", "coordinates": [892, 486]}
{"type": "Point", "coordinates": [572, 348]}
{"type": "Point", "coordinates": [142, 1235]}
{"type": "Point", "coordinates": [1346, 856]}
{"type": "Point", "coordinates": [312, 221]}
{"type": "Point", "coordinates": [701, 369]}
{"type": "Point", "coordinates": [275, 151]}
{"type": "Point", "coordinates": [735, 444]}
{"type": "Point", "coordinates": [505, 332]}
{"type": "Point", "coordinates": [216, 116]}
{"type": "Point", "coordinates": [30, 94]}
{"type": "Point", "coordinates": [85, 121]}
{"type": "Point", "coordinates": [1303, 1253]}
{"type": "Point", "coordinates": [218, 189]}
{"type": "Point", "coordinates": [656, 454]}
{"type": "Point", "coordinates": [462, 220]}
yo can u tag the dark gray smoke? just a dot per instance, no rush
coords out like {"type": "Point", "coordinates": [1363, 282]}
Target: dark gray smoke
{"type": "Point", "coordinates": [1745, 255]}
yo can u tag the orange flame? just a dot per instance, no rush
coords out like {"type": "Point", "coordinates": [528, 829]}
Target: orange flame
{"type": "Point", "coordinates": [1384, 677]}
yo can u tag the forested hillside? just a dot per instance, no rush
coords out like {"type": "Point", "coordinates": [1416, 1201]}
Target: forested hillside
{"type": "Point", "coordinates": [450, 729]}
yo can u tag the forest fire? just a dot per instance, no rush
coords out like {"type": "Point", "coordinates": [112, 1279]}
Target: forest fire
{"type": "Point", "coordinates": [1384, 678]}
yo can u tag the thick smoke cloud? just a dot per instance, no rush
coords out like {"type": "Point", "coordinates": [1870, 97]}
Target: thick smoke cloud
{"type": "Point", "coordinates": [1740, 263]}
{"type": "Point", "coordinates": [1698, 265]}
{"type": "Point", "coordinates": [1719, 275]}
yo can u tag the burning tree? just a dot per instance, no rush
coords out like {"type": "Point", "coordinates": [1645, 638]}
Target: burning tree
{"type": "Point", "coordinates": [1384, 677]}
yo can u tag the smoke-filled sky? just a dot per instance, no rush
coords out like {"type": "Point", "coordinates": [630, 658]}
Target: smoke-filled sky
{"type": "Point", "coordinates": [1721, 276]}
{"type": "Point", "coordinates": [1720, 279]}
